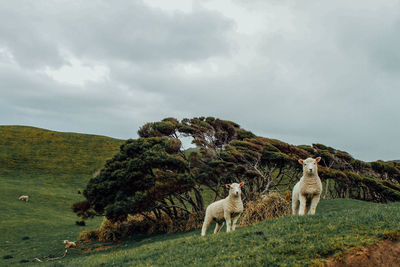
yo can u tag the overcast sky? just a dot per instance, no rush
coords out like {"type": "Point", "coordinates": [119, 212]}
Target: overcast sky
{"type": "Point", "coordinates": [300, 71]}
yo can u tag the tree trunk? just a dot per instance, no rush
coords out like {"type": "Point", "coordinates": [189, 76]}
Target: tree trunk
{"type": "Point", "coordinates": [326, 196]}
{"type": "Point", "coordinates": [199, 199]}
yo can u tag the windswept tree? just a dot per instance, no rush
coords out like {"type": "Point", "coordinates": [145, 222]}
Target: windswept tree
{"type": "Point", "coordinates": [141, 178]}
{"type": "Point", "coordinates": [155, 176]}
{"type": "Point", "coordinates": [266, 164]}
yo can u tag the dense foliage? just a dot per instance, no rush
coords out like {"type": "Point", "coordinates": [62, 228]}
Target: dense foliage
{"type": "Point", "coordinates": [348, 177]}
{"type": "Point", "coordinates": [154, 175]}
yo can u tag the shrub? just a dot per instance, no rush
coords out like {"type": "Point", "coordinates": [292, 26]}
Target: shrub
{"type": "Point", "coordinates": [344, 155]}
{"type": "Point", "coordinates": [265, 207]}
{"type": "Point", "coordinates": [82, 209]}
{"type": "Point", "coordinates": [110, 231]}
{"type": "Point", "coordinates": [288, 196]}
{"type": "Point", "coordinates": [142, 224]}
{"type": "Point", "coordinates": [90, 235]}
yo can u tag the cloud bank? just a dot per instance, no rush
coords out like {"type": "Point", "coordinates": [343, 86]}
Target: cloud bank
{"type": "Point", "coordinates": [310, 72]}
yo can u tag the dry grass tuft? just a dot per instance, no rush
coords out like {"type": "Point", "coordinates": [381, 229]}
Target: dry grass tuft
{"type": "Point", "coordinates": [288, 196]}
{"type": "Point", "coordinates": [166, 225]}
{"type": "Point", "coordinates": [265, 207]}
{"type": "Point", "coordinates": [110, 231]}
{"type": "Point", "coordinates": [89, 235]}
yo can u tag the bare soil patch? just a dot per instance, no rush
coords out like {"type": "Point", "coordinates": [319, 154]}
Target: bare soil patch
{"type": "Point", "coordinates": [384, 253]}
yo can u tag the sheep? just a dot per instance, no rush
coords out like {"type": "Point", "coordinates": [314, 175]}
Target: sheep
{"type": "Point", "coordinates": [25, 198]}
{"type": "Point", "coordinates": [69, 244]}
{"type": "Point", "coordinates": [309, 187]}
{"type": "Point", "coordinates": [228, 209]}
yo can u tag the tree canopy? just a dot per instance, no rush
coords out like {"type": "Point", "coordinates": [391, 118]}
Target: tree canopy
{"type": "Point", "coordinates": [155, 174]}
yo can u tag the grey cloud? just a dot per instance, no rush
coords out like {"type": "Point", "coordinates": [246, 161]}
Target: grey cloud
{"type": "Point", "coordinates": [328, 75]}
{"type": "Point", "coordinates": [338, 54]}
{"type": "Point", "coordinates": [25, 33]}
{"type": "Point", "coordinates": [144, 34]}
{"type": "Point", "coordinates": [98, 108]}
{"type": "Point", "coordinates": [37, 32]}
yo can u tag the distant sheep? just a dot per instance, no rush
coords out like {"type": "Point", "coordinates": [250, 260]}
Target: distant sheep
{"type": "Point", "coordinates": [26, 198]}
{"type": "Point", "coordinates": [308, 188]}
{"type": "Point", "coordinates": [69, 244]}
{"type": "Point", "coordinates": [228, 209]}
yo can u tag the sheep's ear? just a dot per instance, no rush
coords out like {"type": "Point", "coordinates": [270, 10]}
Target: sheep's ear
{"type": "Point", "coordinates": [301, 161]}
{"type": "Point", "coordinates": [241, 184]}
{"type": "Point", "coordinates": [228, 186]}
{"type": "Point", "coordinates": [318, 159]}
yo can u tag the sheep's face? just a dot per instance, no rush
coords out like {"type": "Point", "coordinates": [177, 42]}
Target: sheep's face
{"type": "Point", "coordinates": [310, 165]}
{"type": "Point", "coordinates": [235, 189]}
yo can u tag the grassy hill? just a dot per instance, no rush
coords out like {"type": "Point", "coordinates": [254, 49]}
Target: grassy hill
{"type": "Point", "coordinates": [35, 151]}
{"type": "Point", "coordinates": [49, 167]}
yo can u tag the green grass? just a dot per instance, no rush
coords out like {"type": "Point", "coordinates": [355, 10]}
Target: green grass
{"type": "Point", "coordinates": [287, 241]}
{"type": "Point", "coordinates": [50, 167]}
{"type": "Point", "coordinates": [35, 151]}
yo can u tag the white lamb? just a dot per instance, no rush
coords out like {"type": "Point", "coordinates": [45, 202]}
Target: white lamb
{"type": "Point", "coordinates": [228, 209]}
{"type": "Point", "coordinates": [26, 198]}
{"type": "Point", "coordinates": [308, 188]}
{"type": "Point", "coordinates": [69, 244]}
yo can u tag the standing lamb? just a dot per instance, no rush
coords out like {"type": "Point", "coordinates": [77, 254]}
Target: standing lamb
{"type": "Point", "coordinates": [228, 209]}
{"type": "Point", "coordinates": [309, 187]}
{"type": "Point", "coordinates": [26, 198]}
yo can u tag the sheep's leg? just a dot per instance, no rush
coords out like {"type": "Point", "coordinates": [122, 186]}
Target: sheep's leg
{"type": "Point", "coordinates": [295, 207]}
{"type": "Point", "coordinates": [207, 221]}
{"type": "Point", "coordinates": [218, 227]}
{"type": "Point", "coordinates": [228, 221]}
{"type": "Point", "coordinates": [303, 202]}
{"type": "Point", "coordinates": [314, 203]}
{"type": "Point", "coordinates": [295, 204]}
{"type": "Point", "coordinates": [307, 209]}
{"type": "Point", "coordinates": [235, 219]}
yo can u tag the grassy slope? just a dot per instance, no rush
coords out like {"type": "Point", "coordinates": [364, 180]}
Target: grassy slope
{"type": "Point", "coordinates": [49, 167]}
{"type": "Point", "coordinates": [35, 151]}
{"type": "Point", "coordinates": [288, 241]}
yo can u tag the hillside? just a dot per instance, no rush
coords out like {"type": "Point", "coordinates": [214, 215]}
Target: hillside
{"type": "Point", "coordinates": [31, 150]}
{"type": "Point", "coordinates": [287, 241]}
{"type": "Point", "coordinates": [50, 167]}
